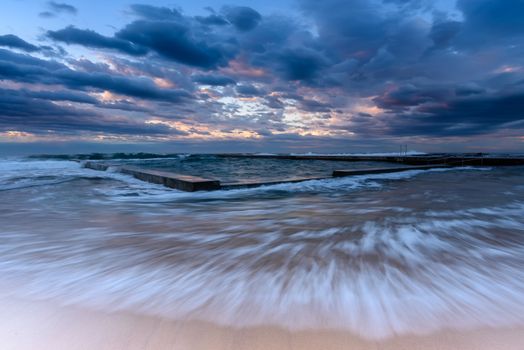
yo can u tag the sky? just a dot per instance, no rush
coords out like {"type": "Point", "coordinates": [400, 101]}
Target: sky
{"type": "Point", "coordinates": [261, 76]}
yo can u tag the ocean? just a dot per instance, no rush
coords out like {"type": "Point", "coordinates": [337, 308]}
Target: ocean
{"type": "Point", "coordinates": [376, 255]}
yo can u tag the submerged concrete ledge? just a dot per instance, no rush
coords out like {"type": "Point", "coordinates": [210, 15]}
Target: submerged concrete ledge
{"type": "Point", "coordinates": [172, 180]}
{"type": "Point", "coordinates": [252, 184]}
{"type": "Point", "coordinates": [426, 159]}
{"type": "Point", "coordinates": [194, 183]}
{"type": "Point", "coordinates": [352, 172]}
{"type": "Point", "coordinates": [180, 182]}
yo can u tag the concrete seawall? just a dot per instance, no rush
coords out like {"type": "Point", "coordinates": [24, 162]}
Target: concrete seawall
{"type": "Point", "coordinates": [245, 184]}
{"type": "Point", "coordinates": [195, 183]}
{"type": "Point", "coordinates": [172, 180]}
{"type": "Point", "coordinates": [450, 159]}
{"type": "Point", "coordinates": [352, 172]}
{"type": "Point", "coordinates": [177, 181]}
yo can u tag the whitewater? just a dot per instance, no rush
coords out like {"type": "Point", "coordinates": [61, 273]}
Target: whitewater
{"type": "Point", "coordinates": [377, 255]}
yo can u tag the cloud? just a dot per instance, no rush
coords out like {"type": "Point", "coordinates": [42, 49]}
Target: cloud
{"type": "Point", "coordinates": [213, 80]}
{"type": "Point", "coordinates": [242, 17]}
{"type": "Point", "coordinates": [12, 41]}
{"type": "Point", "coordinates": [443, 32]}
{"type": "Point", "coordinates": [56, 8]}
{"type": "Point", "coordinates": [300, 63]}
{"type": "Point", "coordinates": [176, 42]}
{"type": "Point", "coordinates": [403, 97]}
{"type": "Point", "coordinates": [19, 108]}
{"type": "Point", "coordinates": [249, 90]}
{"type": "Point", "coordinates": [62, 7]}
{"type": "Point", "coordinates": [60, 95]}
{"type": "Point", "coordinates": [90, 38]}
{"type": "Point", "coordinates": [493, 17]}
{"type": "Point", "coordinates": [356, 30]}
{"type": "Point", "coordinates": [314, 106]}
{"type": "Point", "coordinates": [419, 113]}
{"type": "Point", "coordinates": [28, 69]}
{"type": "Point", "coordinates": [155, 13]}
{"type": "Point", "coordinates": [212, 20]}
{"type": "Point", "coordinates": [385, 69]}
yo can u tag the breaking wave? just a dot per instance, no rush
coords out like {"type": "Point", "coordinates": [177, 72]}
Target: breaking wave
{"type": "Point", "coordinates": [376, 255]}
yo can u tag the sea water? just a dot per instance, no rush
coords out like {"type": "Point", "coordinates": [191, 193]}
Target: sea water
{"type": "Point", "coordinates": [377, 255]}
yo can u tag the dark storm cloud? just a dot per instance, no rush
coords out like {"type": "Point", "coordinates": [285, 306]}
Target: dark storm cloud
{"type": "Point", "coordinates": [274, 102]}
{"type": "Point", "coordinates": [177, 42]}
{"type": "Point", "coordinates": [92, 39]}
{"type": "Point", "coordinates": [28, 61]}
{"type": "Point", "coordinates": [430, 71]}
{"type": "Point", "coordinates": [137, 87]}
{"type": "Point", "coordinates": [409, 95]}
{"type": "Point", "coordinates": [456, 110]}
{"type": "Point", "coordinates": [442, 33]}
{"type": "Point", "coordinates": [356, 29]}
{"type": "Point", "coordinates": [19, 108]}
{"type": "Point", "coordinates": [493, 18]}
{"type": "Point", "coordinates": [249, 90]}
{"type": "Point", "coordinates": [12, 41]}
{"type": "Point", "coordinates": [29, 69]}
{"type": "Point", "coordinates": [366, 44]}
{"type": "Point", "coordinates": [62, 7]}
{"type": "Point", "coordinates": [162, 31]}
{"type": "Point", "coordinates": [453, 116]}
{"type": "Point", "coordinates": [314, 106]}
{"type": "Point", "coordinates": [63, 95]}
{"type": "Point", "coordinates": [155, 13]}
{"type": "Point", "coordinates": [469, 89]}
{"type": "Point", "coordinates": [79, 97]}
{"type": "Point", "coordinates": [422, 71]}
{"type": "Point", "coordinates": [301, 64]}
{"type": "Point", "coordinates": [242, 17]}
{"type": "Point", "coordinates": [212, 20]}
{"type": "Point", "coordinates": [213, 79]}
{"type": "Point", "coordinates": [275, 33]}
{"type": "Point", "coordinates": [294, 64]}
{"type": "Point", "coordinates": [56, 8]}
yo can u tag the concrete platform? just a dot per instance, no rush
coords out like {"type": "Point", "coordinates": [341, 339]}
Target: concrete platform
{"type": "Point", "coordinates": [194, 183]}
{"type": "Point", "coordinates": [463, 159]}
{"type": "Point", "coordinates": [238, 185]}
{"type": "Point", "coordinates": [352, 172]}
{"type": "Point", "coordinates": [180, 182]}
{"type": "Point", "coordinates": [172, 180]}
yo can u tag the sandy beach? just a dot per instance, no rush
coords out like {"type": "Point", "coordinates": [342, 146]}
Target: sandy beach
{"type": "Point", "coordinates": [41, 326]}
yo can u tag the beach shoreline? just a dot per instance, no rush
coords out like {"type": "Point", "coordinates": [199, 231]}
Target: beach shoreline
{"type": "Point", "coordinates": [42, 325]}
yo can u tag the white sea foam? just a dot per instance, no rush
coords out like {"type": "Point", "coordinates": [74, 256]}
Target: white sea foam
{"type": "Point", "coordinates": [22, 173]}
{"type": "Point", "coordinates": [373, 267]}
{"type": "Point", "coordinates": [376, 279]}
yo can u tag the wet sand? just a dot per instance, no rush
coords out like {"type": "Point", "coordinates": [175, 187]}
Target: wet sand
{"type": "Point", "coordinates": [40, 326]}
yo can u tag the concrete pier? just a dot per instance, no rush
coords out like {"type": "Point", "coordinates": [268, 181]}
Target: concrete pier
{"type": "Point", "coordinates": [238, 185]}
{"type": "Point", "coordinates": [194, 183]}
{"type": "Point", "coordinates": [352, 172]}
{"type": "Point", "coordinates": [177, 181]}
{"type": "Point", "coordinates": [474, 159]}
